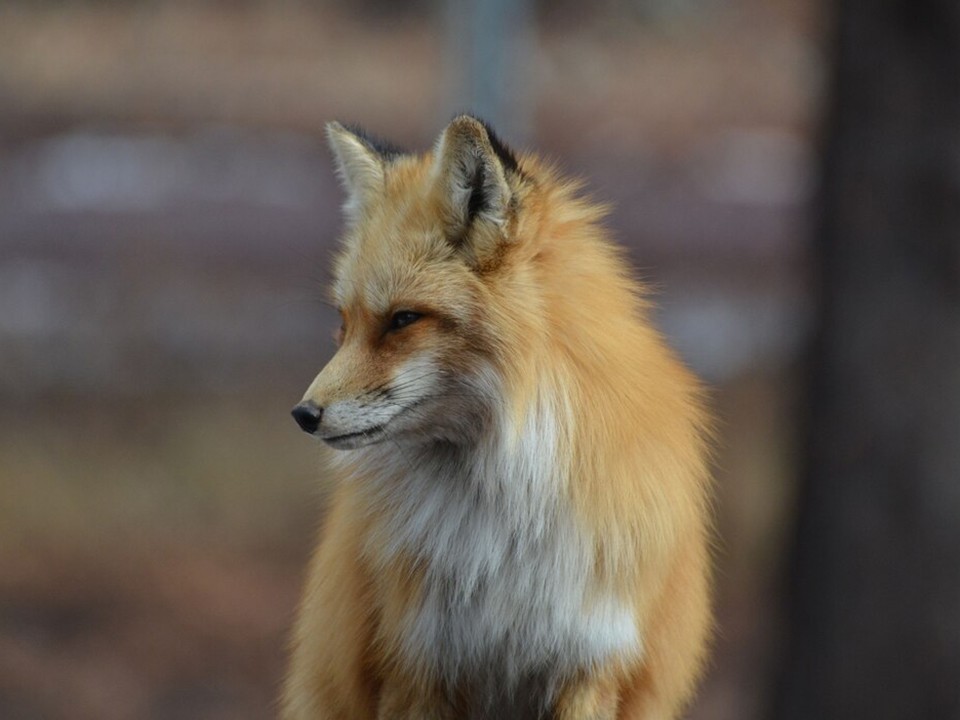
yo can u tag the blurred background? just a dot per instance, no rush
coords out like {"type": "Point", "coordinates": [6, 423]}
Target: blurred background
{"type": "Point", "coordinates": [167, 210]}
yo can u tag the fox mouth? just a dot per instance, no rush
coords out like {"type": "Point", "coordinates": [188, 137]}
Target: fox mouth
{"type": "Point", "coordinates": [368, 436]}
{"type": "Point", "coordinates": [348, 441]}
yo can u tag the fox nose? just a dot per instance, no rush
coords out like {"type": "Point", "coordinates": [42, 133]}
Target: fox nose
{"type": "Point", "coordinates": [307, 416]}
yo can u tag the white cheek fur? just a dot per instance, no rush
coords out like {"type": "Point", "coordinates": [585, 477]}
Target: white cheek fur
{"type": "Point", "coordinates": [413, 381]}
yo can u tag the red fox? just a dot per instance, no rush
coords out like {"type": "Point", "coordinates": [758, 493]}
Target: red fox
{"type": "Point", "coordinates": [519, 523]}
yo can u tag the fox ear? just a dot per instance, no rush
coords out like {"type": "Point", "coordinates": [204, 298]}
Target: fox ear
{"type": "Point", "coordinates": [360, 166]}
{"type": "Point", "coordinates": [471, 169]}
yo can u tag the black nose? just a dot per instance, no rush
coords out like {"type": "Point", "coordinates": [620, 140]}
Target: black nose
{"type": "Point", "coordinates": [307, 416]}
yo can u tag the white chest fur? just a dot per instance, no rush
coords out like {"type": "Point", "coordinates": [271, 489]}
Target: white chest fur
{"type": "Point", "coordinates": [509, 572]}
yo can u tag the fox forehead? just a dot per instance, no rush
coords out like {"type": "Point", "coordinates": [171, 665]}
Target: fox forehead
{"type": "Point", "coordinates": [397, 252]}
{"type": "Point", "coordinates": [409, 270]}
{"type": "Point", "coordinates": [376, 274]}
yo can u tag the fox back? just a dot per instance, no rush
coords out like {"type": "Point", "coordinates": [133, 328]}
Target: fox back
{"type": "Point", "coordinates": [518, 525]}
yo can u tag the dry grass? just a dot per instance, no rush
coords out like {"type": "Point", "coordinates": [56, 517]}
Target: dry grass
{"type": "Point", "coordinates": [150, 556]}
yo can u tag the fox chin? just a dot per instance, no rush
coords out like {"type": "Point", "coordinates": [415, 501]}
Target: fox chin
{"type": "Point", "coordinates": [518, 523]}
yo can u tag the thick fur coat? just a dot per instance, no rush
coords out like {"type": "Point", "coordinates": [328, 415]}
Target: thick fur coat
{"type": "Point", "coordinates": [519, 517]}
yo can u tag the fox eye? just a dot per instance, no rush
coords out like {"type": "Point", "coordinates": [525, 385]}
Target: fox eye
{"type": "Point", "coordinates": [403, 318]}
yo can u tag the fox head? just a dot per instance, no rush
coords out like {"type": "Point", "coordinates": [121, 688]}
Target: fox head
{"type": "Point", "coordinates": [421, 286]}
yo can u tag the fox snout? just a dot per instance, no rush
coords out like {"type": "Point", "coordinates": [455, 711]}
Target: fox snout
{"type": "Point", "coordinates": [308, 416]}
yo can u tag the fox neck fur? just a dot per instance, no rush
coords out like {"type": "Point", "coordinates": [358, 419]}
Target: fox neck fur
{"type": "Point", "coordinates": [507, 570]}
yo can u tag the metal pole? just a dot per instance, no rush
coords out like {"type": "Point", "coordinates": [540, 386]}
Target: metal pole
{"type": "Point", "coordinates": [489, 51]}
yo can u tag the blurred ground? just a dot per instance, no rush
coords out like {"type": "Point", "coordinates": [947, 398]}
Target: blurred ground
{"type": "Point", "coordinates": [166, 209]}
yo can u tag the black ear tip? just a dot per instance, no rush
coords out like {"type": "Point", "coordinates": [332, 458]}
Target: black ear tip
{"type": "Point", "coordinates": [467, 128]}
{"type": "Point", "coordinates": [479, 127]}
{"type": "Point", "coordinates": [466, 118]}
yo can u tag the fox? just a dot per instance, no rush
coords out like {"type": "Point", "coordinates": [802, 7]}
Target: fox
{"type": "Point", "coordinates": [518, 522]}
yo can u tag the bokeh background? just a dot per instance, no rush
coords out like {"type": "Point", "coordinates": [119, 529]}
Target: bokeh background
{"type": "Point", "coordinates": [167, 210]}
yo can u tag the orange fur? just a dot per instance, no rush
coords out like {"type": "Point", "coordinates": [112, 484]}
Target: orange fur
{"type": "Point", "coordinates": [531, 343]}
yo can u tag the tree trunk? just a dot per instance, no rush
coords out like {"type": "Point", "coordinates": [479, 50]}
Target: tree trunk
{"type": "Point", "coordinates": [873, 604]}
